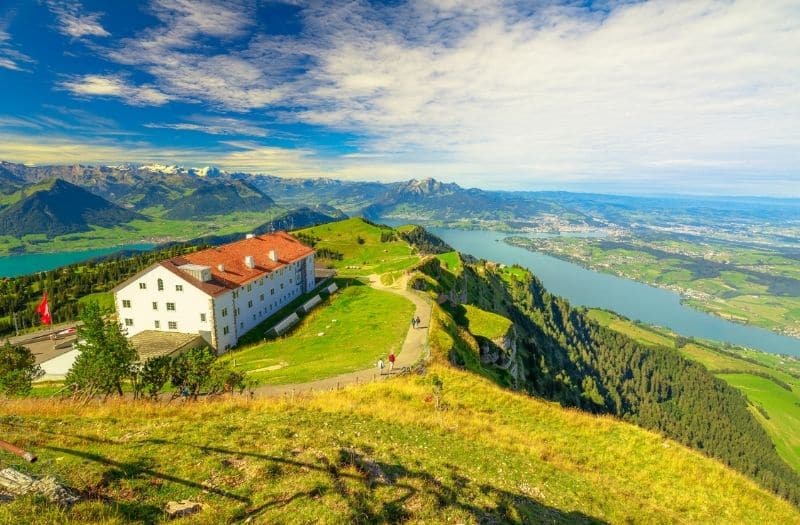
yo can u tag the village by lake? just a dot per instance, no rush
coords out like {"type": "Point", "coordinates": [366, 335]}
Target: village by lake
{"type": "Point", "coordinates": [584, 287]}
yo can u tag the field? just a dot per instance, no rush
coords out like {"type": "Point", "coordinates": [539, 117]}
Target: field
{"type": "Point", "coordinates": [488, 456]}
{"type": "Point", "coordinates": [361, 249]}
{"type": "Point", "coordinates": [155, 230]}
{"type": "Point", "coordinates": [778, 410]}
{"type": "Point", "coordinates": [758, 375]}
{"type": "Point", "coordinates": [354, 328]}
{"type": "Point", "coordinates": [747, 285]}
{"type": "Point", "coordinates": [486, 324]}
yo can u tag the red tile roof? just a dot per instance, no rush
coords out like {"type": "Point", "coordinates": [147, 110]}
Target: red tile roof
{"type": "Point", "coordinates": [231, 256]}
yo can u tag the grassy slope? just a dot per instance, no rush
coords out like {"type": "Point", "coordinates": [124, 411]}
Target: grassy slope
{"type": "Point", "coordinates": [370, 257]}
{"type": "Point", "coordinates": [486, 324]}
{"type": "Point", "coordinates": [782, 406]}
{"type": "Point", "coordinates": [489, 453]}
{"type": "Point", "coordinates": [358, 326]}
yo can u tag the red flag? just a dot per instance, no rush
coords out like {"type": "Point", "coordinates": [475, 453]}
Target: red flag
{"type": "Point", "coordinates": [44, 310]}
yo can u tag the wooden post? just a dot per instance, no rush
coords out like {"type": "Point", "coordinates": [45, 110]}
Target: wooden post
{"type": "Point", "coordinates": [18, 451]}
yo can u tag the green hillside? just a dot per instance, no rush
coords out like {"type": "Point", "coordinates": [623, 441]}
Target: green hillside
{"type": "Point", "coordinates": [488, 456]}
{"type": "Point", "coordinates": [771, 383]}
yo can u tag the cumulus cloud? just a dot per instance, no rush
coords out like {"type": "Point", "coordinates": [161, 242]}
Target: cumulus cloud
{"type": "Point", "coordinates": [115, 86]}
{"type": "Point", "coordinates": [73, 22]}
{"type": "Point", "coordinates": [214, 126]}
{"type": "Point", "coordinates": [491, 92]}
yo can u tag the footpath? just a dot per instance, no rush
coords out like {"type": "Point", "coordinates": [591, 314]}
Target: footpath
{"type": "Point", "coordinates": [414, 347]}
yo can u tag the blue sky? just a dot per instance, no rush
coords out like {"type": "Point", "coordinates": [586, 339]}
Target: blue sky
{"type": "Point", "coordinates": [633, 97]}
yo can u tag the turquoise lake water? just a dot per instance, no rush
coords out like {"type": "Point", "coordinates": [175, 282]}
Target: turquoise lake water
{"type": "Point", "coordinates": [14, 265]}
{"type": "Point", "coordinates": [630, 298]}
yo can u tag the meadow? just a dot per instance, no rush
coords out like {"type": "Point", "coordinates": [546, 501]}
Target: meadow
{"type": "Point", "coordinates": [374, 453]}
{"type": "Point", "coordinates": [350, 331]}
{"type": "Point", "coordinates": [362, 249]}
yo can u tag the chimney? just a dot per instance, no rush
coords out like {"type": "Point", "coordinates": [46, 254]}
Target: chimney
{"type": "Point", "coordinates": [249, 236]}
{"type": "Point", "coordinates": [221, 267]}
{"type": "Point", "coordinates": [273, 256]}
{"type": "Point", "coordinates": [249, 261]}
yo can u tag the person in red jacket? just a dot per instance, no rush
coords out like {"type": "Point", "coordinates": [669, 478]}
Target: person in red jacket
{"type": "Point", "coordinates": [392, 358]}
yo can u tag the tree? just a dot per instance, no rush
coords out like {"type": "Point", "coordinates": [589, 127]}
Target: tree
{"type": "Point", "coordinates": [106, 358]}
{"type": "Point", "coordinates": [18, 369]}
{"type": "Point", "coordinates": [191, 371]}
{"type": "Point", "coordinates": [154, 374]}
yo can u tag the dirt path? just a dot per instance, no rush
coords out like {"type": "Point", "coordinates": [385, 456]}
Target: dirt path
{"type": "Point", "coordinates": [414, 346]}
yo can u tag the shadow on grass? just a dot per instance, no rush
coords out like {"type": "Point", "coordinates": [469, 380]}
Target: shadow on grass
{"type": "Point", "coordinates": [357, 490]}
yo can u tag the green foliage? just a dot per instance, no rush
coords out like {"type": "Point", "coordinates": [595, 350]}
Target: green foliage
{"type": "Point", "coordinates": [191, 371]}
{"type": "Point", "coordinates": [18, 369]}
{"type": "Point", "coordinates": [423, 241]}
{"type": "Point", "coordinates": [106, 358]}
{"type": "Point", "coordinates": [654, 387]}
{"type": "Point", "coordinates": [154, 375]}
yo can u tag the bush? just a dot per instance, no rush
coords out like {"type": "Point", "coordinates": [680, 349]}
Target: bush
{"type": "Point", "coordinates": [18, 369]}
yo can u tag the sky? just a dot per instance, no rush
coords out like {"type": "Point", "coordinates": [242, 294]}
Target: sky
{"type": "Point", "coordinates": [617, 96]}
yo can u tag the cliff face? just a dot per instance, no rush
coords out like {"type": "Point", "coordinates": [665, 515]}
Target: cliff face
{"type": "Point", "coordinates": [501, 353]}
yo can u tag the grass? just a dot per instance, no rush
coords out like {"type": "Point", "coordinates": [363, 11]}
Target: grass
{"type": "Point", "coordinates": [451, 261]}
{"type": "Point", "coordinates": [350, 332]}
{"type": "Point", "coordinates": [779, 411]}
{"type": "Point", "coordinates": [365, 256]}
{"type": "Point", "coordinates": [489, 456]}
{"type": "Point", "coordinates": [753, 372]}
{"type": "Point", "coordinates": [104, 299]}
{"type": "Point", "coordinates": [486, 324]}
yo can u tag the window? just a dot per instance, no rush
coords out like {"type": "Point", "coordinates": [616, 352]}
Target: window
{"type": "Point", "coordinates": [157, 324]}
{"type": "Point", "coordinates": [272, 291]}
{"type": "Point", "coordinates": [250, 304]}
{"type": "Point", "coordinates": [262, 297]}
{"type": "Point", "coordinates": [161, 285]}
{"type": "Point", "coordinates": [155, 305]}
{"type": "Point", "coordinates": [241, 324]}
{"type": "Point", "coordinates": [235, 294]}
{"type": "Point", "coordinates": [172, 325]}
{"type": "Point", "coordinates": [178, 287]}
{"type": "Point", "coordinates": [128, 322]}
{"type": "Point", "coordinates": [237, 311]}
{"type": "Point", "coordinates": [225, 330]}
{"type": "Point", "coordinates": [249, 287]}
{"type": "Point", "coordinates": [142, 286]}
{"type": "Point", "coordinates": [261, 282]}
{"type": "Point", "coordinates": [224, 312]}
{"type": "Point", "coordinates": [202, 318]}
{"type": "Point", "coordinates": [126, 303]}
{"type": "Point", "coordinates": [170, 307]}
{"type": "Point", "coordinates": [281, 286]}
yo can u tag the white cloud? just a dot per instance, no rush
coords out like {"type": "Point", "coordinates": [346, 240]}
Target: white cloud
{"type": "Point", "coordinates": [115, 86]}
{"type": "Point", "coordinates": [10, 57]}
{"type": "Point", "coordinates": [73, 22]}
{"type": "Point", "coordinates": [214, 126]}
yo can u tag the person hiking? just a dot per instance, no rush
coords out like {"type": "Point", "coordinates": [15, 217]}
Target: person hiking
{"type": "Point", "coordinates": [392, 358]}
{"type": "Point", "coordinates": [413, 322]}
{"type": "Point", "coordinates": [380, 366]}
{"type": "Point", "coordinates": [417, 321]}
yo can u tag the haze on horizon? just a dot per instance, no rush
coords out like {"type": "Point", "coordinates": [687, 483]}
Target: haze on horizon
{"type": "Point", "coordinates": [652, 97]}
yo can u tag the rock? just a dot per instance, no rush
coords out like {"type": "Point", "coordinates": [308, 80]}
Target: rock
{"type": "Point", "coordinates": [179, 509]}
{"type": "Point", "coordinates": [14, 483]}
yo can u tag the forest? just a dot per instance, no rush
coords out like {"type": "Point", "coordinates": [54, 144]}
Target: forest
{"type": "Point", "coordinates": [573, 360]}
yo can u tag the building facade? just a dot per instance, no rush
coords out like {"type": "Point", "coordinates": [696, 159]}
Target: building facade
{"type": "Point", "coordinates": [220, 293]}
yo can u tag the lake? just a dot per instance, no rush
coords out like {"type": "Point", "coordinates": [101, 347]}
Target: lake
{"type": "Point", "coordinates": [14, 265]}
{"type": "Point", "coordinates": [630, 298]}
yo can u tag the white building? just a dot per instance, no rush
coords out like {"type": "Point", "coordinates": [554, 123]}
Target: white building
{"type": "Point", "coordinates": [220, 293]}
